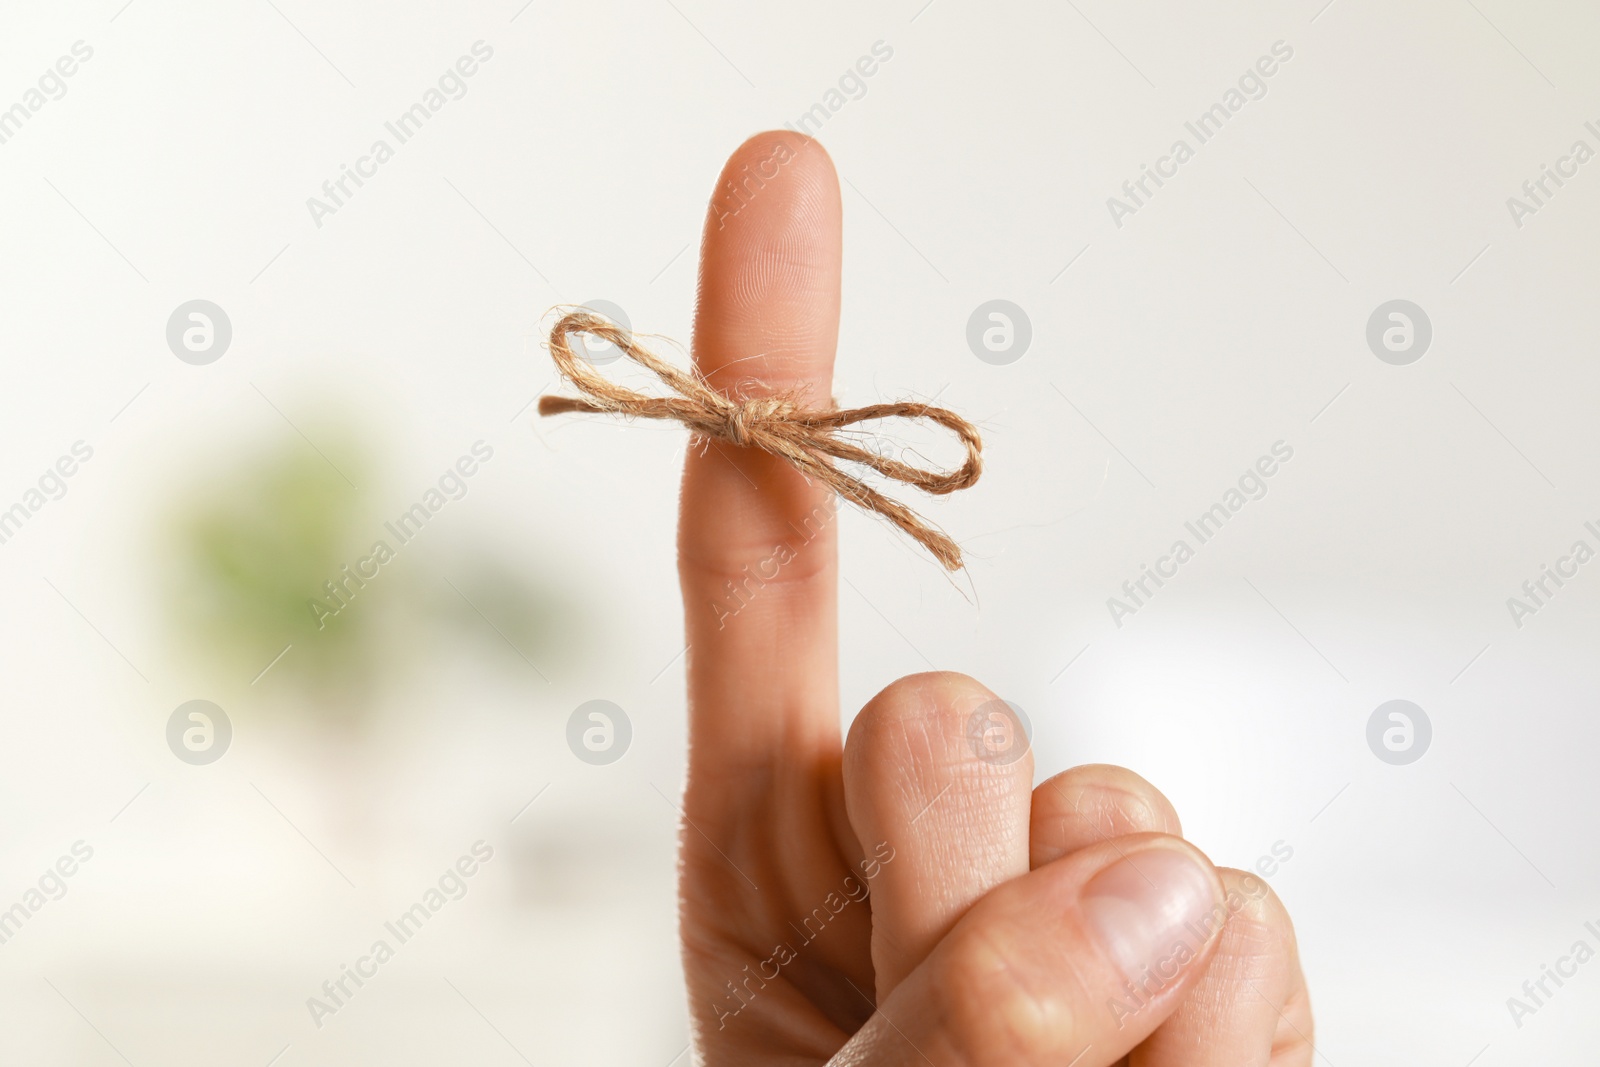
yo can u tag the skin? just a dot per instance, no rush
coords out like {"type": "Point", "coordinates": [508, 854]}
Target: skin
{"type": "Point", "coordinates": [973, 947]}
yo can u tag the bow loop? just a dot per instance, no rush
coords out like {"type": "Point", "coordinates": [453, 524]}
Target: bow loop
{"type": "Point", "coordinates": [773, 423]}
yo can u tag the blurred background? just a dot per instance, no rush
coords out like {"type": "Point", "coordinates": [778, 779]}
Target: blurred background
{"type": "Point", "coordinates": [228, 381]}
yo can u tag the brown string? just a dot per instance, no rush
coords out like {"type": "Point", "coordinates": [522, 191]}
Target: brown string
{"type": "Point", "coordinates": [774, 424]}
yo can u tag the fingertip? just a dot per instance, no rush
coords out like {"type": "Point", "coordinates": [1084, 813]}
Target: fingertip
{"type": "Point", "coordinates": [1094, 802]}
{"type": "Point", "coordinates": [770, 267]}
{"type": "Point", "coordinates": [1130, 849]}
{"type": "Point", "coordinates": [781, 160]}
{"type": "Point", "coordinates": [1258, 922]}
{"type": "Point", "coordinates": [1250, 1005]}
{"type": "Point", "coordinates": [1154, 907]}
{"type": "Point", "coordinates": [923, 694]}
{"type": "Point", "coordinates": [955, 811]}
{"type": "Point", "coordinates": [936, 705]}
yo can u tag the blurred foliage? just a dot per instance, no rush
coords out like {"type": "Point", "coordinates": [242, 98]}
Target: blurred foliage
{"type": "Point", "coordinates": [252, 547]}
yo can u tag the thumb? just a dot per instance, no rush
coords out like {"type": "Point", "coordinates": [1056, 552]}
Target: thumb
{"type": "Point", "coordinates": [1073, 963]}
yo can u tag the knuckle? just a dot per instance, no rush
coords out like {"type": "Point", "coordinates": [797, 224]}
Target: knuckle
{"type": "Point", "coordinates": [941, 721]}
{"type": "Point", "coordinates": [928, 694]}
{"type": "Point", "coordinates": [934, 703]}
{"type": "Point", "coordinates": [939, 701]}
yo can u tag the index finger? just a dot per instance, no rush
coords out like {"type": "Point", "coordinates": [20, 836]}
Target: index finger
{"type": "Point", "coordinates": [757, 552]}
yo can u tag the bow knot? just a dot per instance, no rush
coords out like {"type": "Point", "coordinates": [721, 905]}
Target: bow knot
{"type": "Point", "coordinates": [807, 439]}
{"type": "Point", "coordinates": [755, 412]}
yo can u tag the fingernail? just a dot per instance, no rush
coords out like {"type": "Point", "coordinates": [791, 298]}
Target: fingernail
{"type": "Point", "coordinates": [1151, 909]}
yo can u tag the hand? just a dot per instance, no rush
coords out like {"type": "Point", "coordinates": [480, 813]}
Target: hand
{"type": "Point", "coordinates": [1068, 924]}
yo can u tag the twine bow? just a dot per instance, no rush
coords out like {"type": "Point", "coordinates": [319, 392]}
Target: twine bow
{"type": "Point", "coordinates": [775, 424]}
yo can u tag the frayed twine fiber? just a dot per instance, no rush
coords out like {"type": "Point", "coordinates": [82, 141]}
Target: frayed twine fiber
{"type": "Point", "coordinates": [774, 424]}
